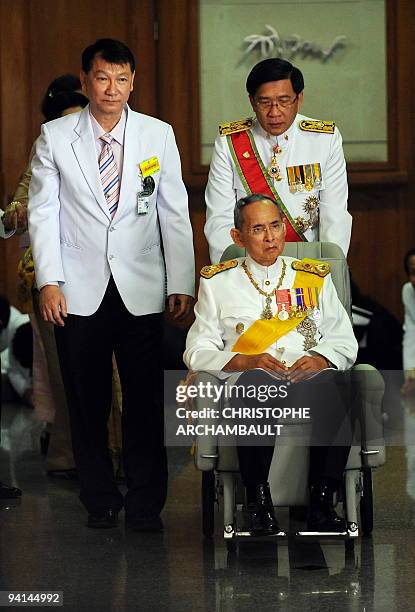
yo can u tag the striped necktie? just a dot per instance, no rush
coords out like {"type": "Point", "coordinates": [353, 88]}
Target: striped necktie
{"type": "Point", "coordinates": [109, 174]}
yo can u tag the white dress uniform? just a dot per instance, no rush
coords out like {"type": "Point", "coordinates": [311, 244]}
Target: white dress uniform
{"type": "Point", "coordinates": [228, 300]}
{"type": "Point", "coordinates": [408, 299]}
{"type": "Point", "coordinates": [299, 147]}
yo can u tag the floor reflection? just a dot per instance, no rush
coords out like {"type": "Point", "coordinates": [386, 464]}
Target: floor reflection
{"type": "Point", "coordinates": [44, 545]}
{"type": "Point", "coordinates": [294, 575]}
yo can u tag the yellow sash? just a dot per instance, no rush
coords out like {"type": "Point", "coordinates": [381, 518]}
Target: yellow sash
{"type": "Point", "coordinates": [264, 332]}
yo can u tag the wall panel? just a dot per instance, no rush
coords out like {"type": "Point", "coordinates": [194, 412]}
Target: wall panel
{"type": "Point", "coordinates": [15, 109]}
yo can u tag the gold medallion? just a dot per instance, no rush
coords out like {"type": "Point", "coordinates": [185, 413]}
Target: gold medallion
{"type": "Point", "coordinates": [274, 170]}
{"type": "Point", "coordinates": [267, 310]}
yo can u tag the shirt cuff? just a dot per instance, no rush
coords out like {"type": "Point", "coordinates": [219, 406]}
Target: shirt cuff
{"type": "Point", "coordinates": [330, 364]}
{"type": "Point", "coordinates": [51, 283]}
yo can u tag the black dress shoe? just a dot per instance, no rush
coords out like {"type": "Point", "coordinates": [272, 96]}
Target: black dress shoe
{"type": "Point", "coordinates": [322, 515]}
{"type": "Point", "coordinates": [326, 521]}
{"type": "Point", "coordinates": [103, 520]}
{"type": "Point", "coordinates": [7, 492]}
{"type": "Point", "coordinates": [260, 514]}
{"type": "Point", "coordinates": [269, 520]}
{"type": "Point", "coordinates": [69, 474]}
{"type": "Point", "coordinates": [152, 524]}
{"type": "Point", "coordinates": [253, 519]}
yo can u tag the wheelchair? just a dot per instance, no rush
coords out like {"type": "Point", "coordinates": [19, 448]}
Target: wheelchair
{"type": "Point", "coordinates": [288, 477]}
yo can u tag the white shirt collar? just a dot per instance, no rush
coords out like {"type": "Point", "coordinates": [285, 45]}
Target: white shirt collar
{"type": "Point", "coordinates": [262, 272]}
{"type": "Point", "coordinates": [282, 138]}
{"type": "Point", "coordinates": [117, 131]}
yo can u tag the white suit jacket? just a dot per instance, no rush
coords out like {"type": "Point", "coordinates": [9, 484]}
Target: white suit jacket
{"type": "Point", "coordinates": [225, 187]}
{"type": "Point", "coordinates": [228, 299]}
{"type": "Point", "coordinates": [74, 239]}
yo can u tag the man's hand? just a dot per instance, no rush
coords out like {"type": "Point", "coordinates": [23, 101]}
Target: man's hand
{"type": "Point", "coordinates": [305, 366]}
{"type": "Point", "coordinates": [179, 305]}
{"type": "Point", "coordinates": [53, 305]}
{"type": "Point", "coordinates": [15, 217]}
{"type": "Point", "coordinates": [267, 362]}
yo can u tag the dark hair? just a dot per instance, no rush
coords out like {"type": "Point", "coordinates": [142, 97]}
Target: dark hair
{"type": "Point", "coordinates": [406, 259]}
{"type": "Point", "coordinates": [111, 50]}
{"type": "Point", "coordinates": [4, 312]}
{"type": "Point", "coordinates": [62, 101]}
{"type": "Point", "coordinates": [274, 69]}
{"type": "Point", "coordinates": [65, 82]}
{"type": "Point", "coordinates": [242, 202]}
{"type": "Point", "coordinates": [22, 345]}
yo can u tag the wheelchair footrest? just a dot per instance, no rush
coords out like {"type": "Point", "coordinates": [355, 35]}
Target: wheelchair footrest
{"type": "Point", "coordinates": [351, 532]}
{"type": "Point", "coordinates": [230, 533]}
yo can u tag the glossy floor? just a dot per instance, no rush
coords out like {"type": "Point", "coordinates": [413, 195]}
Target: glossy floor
{"type": "Point", "coordinates": [45, 546]}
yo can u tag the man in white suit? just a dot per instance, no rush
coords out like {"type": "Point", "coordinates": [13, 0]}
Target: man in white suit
{"type": "Point", "coordinates": [109, 222]}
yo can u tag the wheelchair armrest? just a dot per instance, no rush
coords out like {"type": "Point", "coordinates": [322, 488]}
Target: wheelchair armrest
{"type": "Point", "coordinates": [206, 449]}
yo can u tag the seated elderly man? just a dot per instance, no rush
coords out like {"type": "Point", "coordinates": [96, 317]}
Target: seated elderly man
{"type": "Point", "coordinates": [283, 316]}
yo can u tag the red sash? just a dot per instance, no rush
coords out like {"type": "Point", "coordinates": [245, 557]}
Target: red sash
{"type": "Point", "coordinates": [255, 179]}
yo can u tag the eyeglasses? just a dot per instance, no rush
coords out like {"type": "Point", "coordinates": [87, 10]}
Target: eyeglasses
{"type": "Point", "coordinates": [260, 230]}
{"type": "Point", "coordinates": [266, 104]}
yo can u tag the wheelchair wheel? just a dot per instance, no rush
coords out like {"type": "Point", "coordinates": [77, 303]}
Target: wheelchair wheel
{"type": "Point", "coordinates": [208, 503]}
{"type": "Point", "coordinates": [366, 502]}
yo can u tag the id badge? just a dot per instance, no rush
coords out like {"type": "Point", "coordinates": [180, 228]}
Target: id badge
{"type": "Point", "coordinates": [142, 196]}
{"type": "Point", "coordinates": [142, 204]}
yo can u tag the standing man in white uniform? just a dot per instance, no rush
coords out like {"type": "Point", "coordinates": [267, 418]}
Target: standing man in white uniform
{"type": "Point", "coordinates": [294, 159]}
{"type": "Point", "coordinates": [284, 316]}
{"type": "Point", "coordinates": [108, 219]}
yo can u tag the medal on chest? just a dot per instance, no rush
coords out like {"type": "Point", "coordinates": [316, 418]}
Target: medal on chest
{"type": "Point", "coordinates": [267, 310]}
{"type": "Point", "coordinates": [274, 170]}
{"type": "Point", "coordinates": [297, 302]}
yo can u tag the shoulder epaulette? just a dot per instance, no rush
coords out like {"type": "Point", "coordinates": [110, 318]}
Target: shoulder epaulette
{"type": "Point", "coordinates": [314, 266]}
{"type": "Point", "coordinates": [321, 127]}
{"type": "Point", "coordinates": [235, 126]}
{"type": "Point", "coordinates": [209, 271]}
